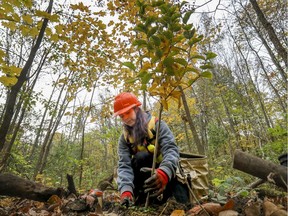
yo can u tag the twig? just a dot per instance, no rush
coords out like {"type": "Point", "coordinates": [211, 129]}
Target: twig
{"type": "Point", "coordinates": [194, 197]}
{"type": "Point", "coordinates": [164, 208]}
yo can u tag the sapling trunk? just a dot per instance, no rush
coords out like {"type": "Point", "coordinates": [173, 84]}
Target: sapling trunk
{"type": "Point", "coordinates": [155, 149]}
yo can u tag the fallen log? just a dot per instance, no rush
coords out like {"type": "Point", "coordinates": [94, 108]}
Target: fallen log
{"type": "Point", "coordinates": [260, 168]}
{"type": "Point", "coordinates": [12, 185]}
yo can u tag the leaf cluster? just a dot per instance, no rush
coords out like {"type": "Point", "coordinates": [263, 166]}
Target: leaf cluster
{"type": "Point", "coordinates": [168, 47]}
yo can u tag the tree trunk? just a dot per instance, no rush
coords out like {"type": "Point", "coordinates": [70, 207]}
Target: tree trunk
{"type": "Point", "coordinates": [45, 144]}
{"type": "Point", "coordinates": [258, 167]}
{"type": "Point", "coordinates": [272, 35]}
{"type": "Point", "coordinates": [11, 185]}
{"type": "Point", "coordinates": [21, 79]}
{"type": "Point", "coordinates": [200, 147]}
{"type": "Point", "coordinates": [269, 50]}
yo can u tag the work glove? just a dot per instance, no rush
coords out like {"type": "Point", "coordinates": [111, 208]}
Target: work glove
{"type": "Point", "coordinates": [126, 199]}
{"type": "Point", "coordinates": [156, 183]}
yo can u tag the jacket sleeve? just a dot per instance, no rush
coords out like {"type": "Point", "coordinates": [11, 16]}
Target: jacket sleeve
{"type": "Point", "coordinates": [169, 150]}
{"type": "Point", "coordinates": [125, 173]}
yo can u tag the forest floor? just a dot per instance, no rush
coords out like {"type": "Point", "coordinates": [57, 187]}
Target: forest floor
{"type": "Point", "coordinates": [256, 205]}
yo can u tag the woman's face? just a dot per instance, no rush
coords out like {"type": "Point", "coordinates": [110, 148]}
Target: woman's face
{"type": "Point", "coordinates": [129, 117]}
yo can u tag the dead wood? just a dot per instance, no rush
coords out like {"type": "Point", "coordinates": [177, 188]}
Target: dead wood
{"type": "Point", "coordinates": [263, 169]}
{"type": "Point", "coordinates": [106, 183]}
{"type": "Point", "coordinates": [15, 186]}
{"type": "Point", "coordinates": [71, 185]}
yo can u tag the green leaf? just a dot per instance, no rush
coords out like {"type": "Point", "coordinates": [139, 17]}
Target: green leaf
{"type": "Point", "coordinates": [188, 27]}
{"type": "Point", "coordinates": [131, 81]}
{"type": "Point", "coordinates": [197, 56]}
{"type": "Point", "coordinates": [243, 193]}
{"type": "Point", "coordinates": [168, 62]}
{"type": "Point", "coordinates": [175, 16]}
{"type": "Point", "coordinates": [206, 66]}
{"type": "Point", "coordinates": [129, 65]}
{"type": "Point", "coordinates": [207, 74]}
{"type": "Point", "coordinates": [187, 16]}
{"type": "Point", "coordinates": [140, 28]}
{"type": "Point", "coordinates": [159, 53]}
{"type": "Point", "coordinates": [181, 61]}
{"type": "Point", "coordinates": [191, 81]}
{"type": "Point", "coordinates": [156, 40]}
{"type": "Point", "coordinates": [182, 3]}
{"type": "Point", "coordinates": [168, 34]}
{"type": "Point", "coordinates": [192, 69]}
{"type": "Point", "coordinates": [143, 87]}
{"type": "Point", "coordinates": [170, 71]}
{"type": "Point", "coordinates": [142, 73]}
{"type": "Point", "coordinates": [146, 78]}
{"type": "Point", "coordinates": [150, 20]}
{"type": "Point", "coordinates": [176, 28]}
{"type": "Point", "coordinates": [210, 55]}
{"type": "Point", "coordinates": [139, 43]}
{"type": "Point", "coordinates": [157, 3]}
{"type": "Point", "coordinates": [152, 31]}
{"type": "Point", "coordinates": [195, 40]}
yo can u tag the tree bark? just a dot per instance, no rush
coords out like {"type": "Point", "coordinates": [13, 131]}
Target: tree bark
{"type": "Point", "coordinates": [11, 185]}
{"type": "Point", "coordinates": [200, 147]}
{"type": "Point", "coordinates": [258, 167]}
{"type": "Point", "coordinates": [269, 50]}
{"type": "Point", "coordinates": [272, 35]}
{"type": "Point", "coordinates": [21, 79]}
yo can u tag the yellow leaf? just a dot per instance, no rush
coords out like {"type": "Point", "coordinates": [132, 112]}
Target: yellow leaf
{"type": "Point", "coordinates": [54, 37]}
{"type": "Point", "coordinates": [42, 14]}
{"type": "Point", "coordinates": [28, 19]}
{"type": "Point", "coordinates": [7, 7]}
{"type": "Point", "coordinates": [34, 32]}
{"type": "Point", "coordinates": [178, 213]}
{"type": "Point", "coordinates": [17, 3]}
{"type": "Point", "coordinates": [27, 3]}
{"type": "Point", "coordinates": [176, 94]}
{"type": "Point", "coordinates": [14, 70]}
{"type": "Point", "coordinates": [24, 30]}
{"type": "Point", "coordinates": [59, 29]}
{"type": "Point", "coordinates": [48, 31]}
{"type": "Point", "coordinates": [2, 53]}
{"type": "Point", "coordinates": [10, 25]}
{"type": "Point", "coordinates": [8, 81]}
{"type": "Point", "coordinates": [54, 199]}
{"type": "Point", "coordinates": [111, 23]}
{"type": "Point", "coordinates": [54, 18]}
{"type": "Point", "coordinates": [16, 17]}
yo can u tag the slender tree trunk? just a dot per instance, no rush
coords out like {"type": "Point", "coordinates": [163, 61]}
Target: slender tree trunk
{"type": "Point", "coordinates": [200, 147]}
{"type": "Point", "coordinates": [187, 135]}
{"type": "Point", "coordinates": [50, 141]}
{"type": "Point", "coordinates": [83, 134]}
{"type": "Point", "coordinates": [270, 30]}
{"type": "Point", "coordinates": [21, 106]}
{"type": "Point", "coordinates": [21, 79]}
{"type": "Point", "coordinates": [46, 139]}
{"type": "Point", "coordinates": [270, 52]}
{"type": "Point", "coordinates": [41, 126]}
{"type": "Point", "coordinates": [250, 102]}
{"type": "Point", "coordinates": [227, 111]}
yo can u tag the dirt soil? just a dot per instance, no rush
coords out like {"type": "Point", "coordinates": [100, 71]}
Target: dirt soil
{"type": "Point", "coordinates": [74, 206]}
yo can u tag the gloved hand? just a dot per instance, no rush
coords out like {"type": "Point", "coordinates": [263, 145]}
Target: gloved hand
{"type": "Point", "coordinates": [126, 199]}
{"type": "Point", "coordinates": [156, 183]}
